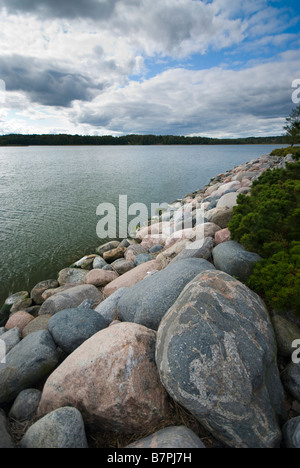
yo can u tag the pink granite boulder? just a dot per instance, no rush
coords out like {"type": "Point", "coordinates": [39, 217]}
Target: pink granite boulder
{"type": "Point", "coordinates": [19, 319]}
{"type": "Point", "coordinates": [131, 277]}
{"type": "Point", "coordinates": [100, 278]}
{"type": "Point", "coordinates": [112, 379]}
{"type": "Point", "coordinates": [222, 236]}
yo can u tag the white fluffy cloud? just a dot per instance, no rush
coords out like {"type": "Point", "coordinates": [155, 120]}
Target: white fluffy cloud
{"type": "Point", "coordinates": [74, 64]}
{"type": "Point", "coordinates": [218, 102]}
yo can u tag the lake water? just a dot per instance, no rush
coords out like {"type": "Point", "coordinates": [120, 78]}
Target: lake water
{"type": "Point", "coordinates": [49, 197]}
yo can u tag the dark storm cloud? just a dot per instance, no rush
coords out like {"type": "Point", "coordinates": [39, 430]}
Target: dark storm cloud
{"type": "Point", "coordinates": [62, 8]}
{"type": "Point", "coordinates": [44, 84]}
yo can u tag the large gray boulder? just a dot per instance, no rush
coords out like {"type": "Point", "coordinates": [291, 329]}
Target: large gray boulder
{"type": "Point", "coordinates": [232, 258]}
{"type": "Point", "coordinates": [170, 437]}
{"type": "Point", "coordinates": [147, 302]}
{"type": "Point", "coordinates": [71, 298]}
{"type": "Point", "coordinates": [63, 428]}
{"type": "Point", "coordinates": [216, 355]}
{"type": "Point", "coordinates": [26, 364]}
{"type": "Point", "coordinates": [72, 327]}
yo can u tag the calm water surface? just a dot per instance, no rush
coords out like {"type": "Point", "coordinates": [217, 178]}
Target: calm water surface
{"type": "Point", "coordinates": [49, 197]}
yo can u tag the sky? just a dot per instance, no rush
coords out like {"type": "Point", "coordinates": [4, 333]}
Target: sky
{"type": "Point", "coordinates": [215, 68]}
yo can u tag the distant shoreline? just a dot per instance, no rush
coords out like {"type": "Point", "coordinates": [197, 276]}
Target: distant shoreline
{"type": "Point", "coordinates": [15, 140]}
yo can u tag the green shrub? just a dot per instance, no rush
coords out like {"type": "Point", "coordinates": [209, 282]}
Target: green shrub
{"type": "Point", "coordinates": [277, 279]}
{"type": "Point", "coordinates": [294, 150]}
{"type": "Point", "coordinates": [268, 222]}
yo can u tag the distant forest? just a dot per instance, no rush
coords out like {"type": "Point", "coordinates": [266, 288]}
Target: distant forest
{"type": "Point", "coordinates": [75, 140]}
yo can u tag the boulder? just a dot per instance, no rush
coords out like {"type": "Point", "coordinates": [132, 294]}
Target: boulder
{"type": "Point", "coordinates": [6, 441]}
{"type": "Point", "coordinates": [40, 288]}
{"type": "Point", "coordinates": [134, 250]}
{"type": "Point", "coordinates": [225, 187]}
{"type": "Point", "coordinates": [72, 327]}
{"type": "Point", "coordinates": [222, 236]}
{"type": "Point", "coordinates": [99, 262]}
{"type": "Point", "coordinates": [114, 254]}
{"type": "Point", "coordinates": [85, 263]}
{"type": "Point", "coordinates": [19, 296]}
{"type": "Point", "coordinates": [11, 338]}
{"type": "Point", "coordinates": [170, 437]}
{"type": "Point", "coordinates": [131, 277]}
{"type": "Point", "coordinates": [26, 364]}
{"type": "Point", "coordinates": [244, 190]}
{"type": "Point", "coordinates": [19, 319]}
{"type": "Point", "coordinates": [108, 246]}
{"type": "Point", "coordinates": [220, 216]}
{"type": "Point", "coordinates": [147, 302]}
{"type": "Point", "coordinates": [151, 241]}
{"type": "Point", "coordinates": [72, 276]}
{"type": "Point", "coordinates": [100, 278]}
{"type": "Point", "coordinates": [122, 266]}
{"type": "Point", "coordinates": [108, 308]}
{"type": "Point", "coordinates": [25, 405]}
{"type": "Point", "coordinates": [142, 258]}
{"type": "Point", "coordinates": [246, 183]}
{"type": "Point", "coordinates": [112, 379]}
{"type": "Point", "coordinates": [156, 248]}
{"type": "Point", "coordinates": [291, 380]}
{"type": "Point", "coordinates": [291, 433]}
{"type": "Point", "coordinates": [216, 355]}
{"type": "Point", "coordinates": [39, 323]}
{"type": "Point", "coordinates": [51, 292]}
{"type": "Point", "coordinates": [70, 298]}
{"type": "Point", "coordinates": [171, 252]}
{"type": "Point", "coordinates": [229, 200]}
{"type": "Point", "coordinates": [21, 305]}
{"type": "Point", "coordinates": [198, 249]}
{"type": "Point", "coordinates": [233, 259]}
{"type": "Point", "coordinates": [63, 428]}
{"type": "Point", "coordinates": [33, 310]}
{"type": "Point", "coordinates": [125, 243]}
{"type": "Point", "coordinates": [286, 333]}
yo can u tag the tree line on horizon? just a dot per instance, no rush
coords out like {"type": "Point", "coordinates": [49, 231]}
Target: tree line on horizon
{"type": "Point", "coordinates": [84, 140]}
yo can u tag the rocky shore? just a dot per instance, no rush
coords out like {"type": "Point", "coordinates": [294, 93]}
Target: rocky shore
{"type": "Point", "coordinates": [155, 341]}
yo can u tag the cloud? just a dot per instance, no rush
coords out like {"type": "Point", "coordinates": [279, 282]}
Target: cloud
{"type": "Point", "coordinates": [100, 9]}
{"type": "Point", "coordinates": [220, 75]}
{"type": "Point", "coordinates": [165, 27]}
{"type": "Point", "coordinates": [211, 101]}
{"type": "Point", "coordinates": [45, 84]}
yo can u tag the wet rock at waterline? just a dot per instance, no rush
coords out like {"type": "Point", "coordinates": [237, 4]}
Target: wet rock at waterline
{"type": "Point", "coordinates": [40, 288]}
{"type": "Point", "coordinates": [70, 298]}
{"type": "Point", "coordinates": [72, 276]}
{"type": "Point", "coordinates": [216, 355]}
